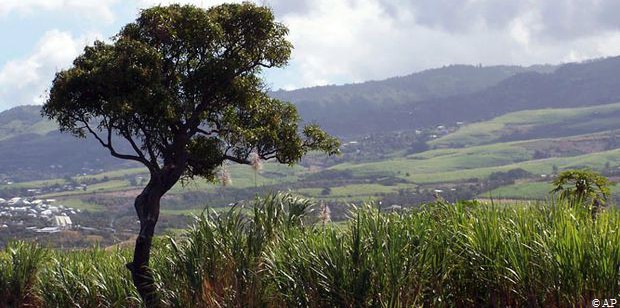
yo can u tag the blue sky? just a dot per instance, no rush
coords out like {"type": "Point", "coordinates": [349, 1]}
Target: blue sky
{"type": "Point", "coordinates": [336, 41]}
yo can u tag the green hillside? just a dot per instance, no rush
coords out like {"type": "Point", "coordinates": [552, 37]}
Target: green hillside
{"type": "Point", "coordinates": [529, 190]}
{"type": "Point", "coordinates": [31, 148]}
{"type": "Point", "coordinates": [350, 182]}
{"type": "Point", "coordinates": [23, 120]}
{"type": "Point", "coordinates": [511, 155]}
{"type": "Point", "coordinates": [552, 122]}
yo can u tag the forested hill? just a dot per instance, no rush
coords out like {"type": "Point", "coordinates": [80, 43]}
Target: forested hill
{"type": "Point", "coordinates": [455, 93]}
{"type": "Point", "coordinates": [361, 108]}
{"type": "Point", "coordinates": [570, 85]}
{"type": "Point", "coordinates": [31, 146]}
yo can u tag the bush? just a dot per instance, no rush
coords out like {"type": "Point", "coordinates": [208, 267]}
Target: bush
{"type": "Point", "coordinates": [463, 254]}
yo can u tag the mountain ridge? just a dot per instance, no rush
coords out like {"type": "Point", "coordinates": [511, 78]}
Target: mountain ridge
{"type": "Point", "coordinates": [443, 96]}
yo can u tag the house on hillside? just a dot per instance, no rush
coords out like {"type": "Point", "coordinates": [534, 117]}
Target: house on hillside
{"type": "Point", "coordinates": [46, 213]}
{"type": "Point", "coordinates": [15, 201]}
{"type": "Point", "coordinates": [62, 222]}
{"type": "Point", "coordinates": [48, 230]}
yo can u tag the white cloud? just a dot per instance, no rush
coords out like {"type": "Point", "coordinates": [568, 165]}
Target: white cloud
{"type": "Point", "coordinates": [26, 80]}
{"type": "Point", "coordinates": [95, 9]}
{"type": "Point", "coordinates": [357, 40]}
{"type": "Point", "coordinates": [339, 41]}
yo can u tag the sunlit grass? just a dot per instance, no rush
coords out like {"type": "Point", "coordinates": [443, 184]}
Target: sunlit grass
{"type": "Point", "coordinates": [590, 118]}
{"type": "Point", "coordinates": [275, 252]}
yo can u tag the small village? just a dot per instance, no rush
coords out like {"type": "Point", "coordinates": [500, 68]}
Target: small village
{"type": "Point", "coordinates": [36, 215]}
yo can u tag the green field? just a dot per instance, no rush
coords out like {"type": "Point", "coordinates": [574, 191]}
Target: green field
{"type": "Point", "coordinates": [431, 167]}
{"type": "Point", "coordinates": [482, 156]}
{"type": "Point", "coordinates": [108, 186]}
{"type": "Point", "coordinates": [353, 191]}
{"type": "Point", "coordinates": [454, 167]}
{"type": "Point", "coordinates": [82, 205]}
{"type": "Point", "coordinates": [529, 190]}
{"type": "Point", "coordinates": [585, 120]}
{"type": "Point", "coordinates": [245, 177]}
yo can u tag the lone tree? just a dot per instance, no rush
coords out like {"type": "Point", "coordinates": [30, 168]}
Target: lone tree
{"type": "Point", "coordinates": [584, 186]}
{"type": "Point", "coordinates": [179, 91]}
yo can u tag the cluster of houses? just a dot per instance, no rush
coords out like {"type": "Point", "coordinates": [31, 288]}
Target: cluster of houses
{"type": "Point", "coordinates": [55, 188]}
{"type": "Point", "coordinates": [44, 214]}
{"type": "Point", "coordinates": [441, 130]}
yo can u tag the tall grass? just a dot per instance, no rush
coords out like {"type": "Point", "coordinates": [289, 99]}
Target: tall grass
{"type": "Point", "coordinates": [274, 252]}
{"type": "Point", "coordinates": [463, 254]}
{"type": "Point", "coordinates": [19, 265]}
{"type": "Point", "coordinates": [219, 263]}
{"type": "Point", "coordinates": [90, 278]}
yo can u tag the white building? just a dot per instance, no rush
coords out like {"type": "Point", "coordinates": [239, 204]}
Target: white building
{"type": "Point", "coordinates": [63, 222]}
{"type": "Point", "coordinates": [47, 213]}
{"type": "Point", "coordinates": [48, 230]}
{"type": "Point", "coordinates": [16, 201]}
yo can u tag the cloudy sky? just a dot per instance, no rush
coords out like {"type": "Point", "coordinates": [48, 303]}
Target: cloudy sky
{"type": "Point", "coordinates": [336, 41]}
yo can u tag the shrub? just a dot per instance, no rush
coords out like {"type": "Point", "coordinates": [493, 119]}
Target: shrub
{"type": "Point", "coordinates": [584, 186]}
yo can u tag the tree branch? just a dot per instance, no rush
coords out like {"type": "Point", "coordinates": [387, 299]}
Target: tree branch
{"type": "Point", "coordinates": [206, 133]}
{"type": "Point", "coordinates": [147, 141]}
{"type": "Point", "coordinates": [113, 151]}
{"type": "Point", "coordinates": [237, 160]}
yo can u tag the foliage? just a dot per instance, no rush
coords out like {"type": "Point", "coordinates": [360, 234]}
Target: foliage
{"type": "Point", "coordinates": [20, 264]}
{"type": "Point", "coordinates": [69, 279]}
{"type": "Point", "coordinates": [509, 176]}
{"type": "Point", "coordinates": [181, 86]}
{"type": "Point", "coordinates": [582, 186]}
{"type": "Point", "coordinates": [220, 262]}
{"type": "Point", "coordinates": [273, 253]}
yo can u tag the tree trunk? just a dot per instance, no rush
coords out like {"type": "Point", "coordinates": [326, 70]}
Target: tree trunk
{"type": "Point", "coordinates": [147, 208]}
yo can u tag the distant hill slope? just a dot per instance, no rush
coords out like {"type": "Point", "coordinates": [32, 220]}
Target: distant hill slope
{"type": "Point", "coordinates": [571, 85]}
{"type": "Point", "coordinates": [456, 93]}
{"type": "Point", "coordinates": [34, 156]}
{"type": "Point", "coordinates": [23, 120]}
{"type": "Point", "coordinates": [360, 108]}
{"type": "Point", "coordinates": [532, 124]}
{"type": "Point", "coordinates": [32, 148]}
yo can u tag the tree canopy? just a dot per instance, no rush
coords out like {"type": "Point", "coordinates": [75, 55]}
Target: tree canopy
{"type": "Point", "coordinates": [582, 186]}
{"type": "Point", "coordinates": [181, 80]}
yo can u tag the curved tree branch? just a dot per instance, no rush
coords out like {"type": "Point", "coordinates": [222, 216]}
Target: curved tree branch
{"type": "Point", "coordinates": [113, 152]}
